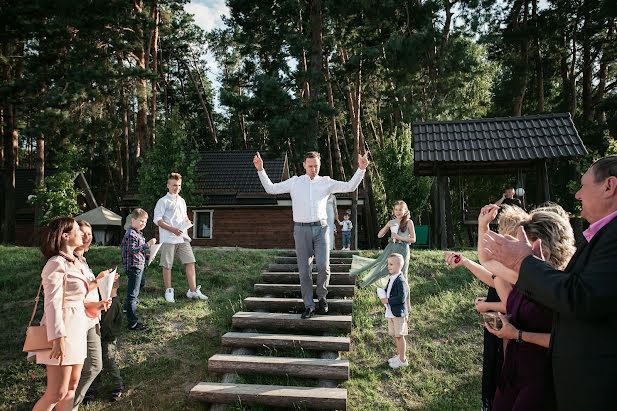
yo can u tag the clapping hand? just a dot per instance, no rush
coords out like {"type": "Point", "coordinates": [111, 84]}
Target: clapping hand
{"type": "Point", "coordinates": [362, 161]}
{"type": "Point", "coordinates": [258, 162]}
{"type": "Point", "coordinates": [506, 331]}
{"type": "Point", "coordinates": [487, 214]}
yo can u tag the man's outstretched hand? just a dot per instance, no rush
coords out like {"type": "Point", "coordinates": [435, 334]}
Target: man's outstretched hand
{"type": "Point", "coordinates": [362, 161]}
{"type": "Point", "coordinates": [258, 162]}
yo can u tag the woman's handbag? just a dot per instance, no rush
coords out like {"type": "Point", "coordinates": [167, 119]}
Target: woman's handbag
{"type": "Point", "coordinates": [36, 335]}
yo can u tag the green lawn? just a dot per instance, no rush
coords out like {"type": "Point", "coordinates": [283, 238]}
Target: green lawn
{"type": "Point", "coordinates": [161, 365]}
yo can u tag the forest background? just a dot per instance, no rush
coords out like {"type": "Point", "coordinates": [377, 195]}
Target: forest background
{"type": "Point", "coordinates": [118, 89]}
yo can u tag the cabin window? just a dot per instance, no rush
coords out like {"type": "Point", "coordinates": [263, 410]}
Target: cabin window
{"type": "Point", "coordinates": [202, 221]}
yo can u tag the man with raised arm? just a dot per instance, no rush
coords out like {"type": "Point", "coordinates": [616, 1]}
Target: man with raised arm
{"type": "Point", "coordinates": [309, 195]}
{"type": "Point", "coordinates": [582, 296]}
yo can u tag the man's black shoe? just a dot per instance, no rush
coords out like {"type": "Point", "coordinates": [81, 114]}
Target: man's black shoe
{"type": "Point", "coordinates": [138, 327]}
{"type": "Point", "coordinates": [323, 306]}
{"type": "Point", "coordinates": [308, 313]}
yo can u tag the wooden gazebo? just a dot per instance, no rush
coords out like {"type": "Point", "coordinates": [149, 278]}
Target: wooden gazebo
{"type": "Point", "coordinates": [490, 146]}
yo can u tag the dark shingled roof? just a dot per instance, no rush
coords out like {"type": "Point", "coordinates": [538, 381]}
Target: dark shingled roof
{"type": "Point", "coordinates": [468, 146]}
{"type": "Point", "coordinates": [229, 177]}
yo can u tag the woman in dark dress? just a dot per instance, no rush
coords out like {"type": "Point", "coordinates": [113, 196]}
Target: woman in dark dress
{"type": "Point", "coordinates": [524, 383]}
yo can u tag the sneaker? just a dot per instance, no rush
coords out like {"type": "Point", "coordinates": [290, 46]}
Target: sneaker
{"type": "Point", "coordinates": [169, 295]}
{"type": "Point", "coordinates": [89, 397]}
{"type": "Point", "coordinates": [138, 327]}
{"type": "Point", "coordinates": [397, 363]}
{"type": "Point", "coordinates": [117, 393]}
{"type": "Point", "coordinates": [392, 359]}
{"type": "Point", "coordinates": [197, 295]}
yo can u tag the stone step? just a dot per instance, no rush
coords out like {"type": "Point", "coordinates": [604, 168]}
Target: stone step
{"type": "Point", "coordinates": [293, 290]}
{"type": "Point", "coordinates": [333, 253]}
{"type": "Point", "coordinates": [275, 395]}
{"type": "Point", "coordinates": [295, 305]}
{"type": "Point", "coordinates": [288, 366]}
{"type": "Point", "coordinates": [305, 342]}
{"type": "Point", "coordinates": [338, 268]}
{"type": "Point", "coordinates": [293, 260]}
{"type": "Point", "coordinates": [291, 322]}
{"type": "Point", "coordinates": [291, 277]}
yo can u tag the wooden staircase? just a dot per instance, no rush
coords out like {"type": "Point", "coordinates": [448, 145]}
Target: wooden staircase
{"type": "Point", "coordinates": [297, 348]}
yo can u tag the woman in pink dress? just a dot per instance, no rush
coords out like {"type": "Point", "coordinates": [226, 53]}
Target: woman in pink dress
{"type": "Point", "coordinates": [65, 285]}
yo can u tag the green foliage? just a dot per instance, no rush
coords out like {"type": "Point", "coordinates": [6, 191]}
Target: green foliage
{"type": "Point", "coordinates": [57, 197]}
{"type": "Point", "coordinates": [395, 163]}
{"type": "Point", "coordinates": [172, 153]}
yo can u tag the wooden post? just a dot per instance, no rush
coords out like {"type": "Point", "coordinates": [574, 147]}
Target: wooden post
{"type": "Point", "coordinates": [543, 193]}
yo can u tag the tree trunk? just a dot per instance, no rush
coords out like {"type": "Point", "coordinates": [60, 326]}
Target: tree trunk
{"type": "Point", "coordinates": [205, 101]}
{"type": "Point", "coordinates": [522, 70]}
{"type": "Point", "coordinates": [201, 100]}
{"type": "Point", "coordinates": [538, 59]}
{"type": "Point", "coordinates": [337, 149]}
{"type": "Point", "coordinates": [39, 179]}
{"type": "Point", "coordinates": [155, 16]}
{"type": "Point", "coordinates": [316, 64]}
{"type": "Point", "coordinates": [306, 88]}
{"type": "Point", "coordinates": [588, 63]}
{"type": "Point", "coordinates": [9, 142]}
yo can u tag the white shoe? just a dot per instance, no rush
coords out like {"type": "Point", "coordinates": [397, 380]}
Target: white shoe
{"type": "Point", "coordinates": [392, 359]}
{"type": "Point", "coordinates": [397, 363]}
{"type": "Point", "coordinates": [169, 295]}
{"type": "Point", "coordinates": [196, 294]}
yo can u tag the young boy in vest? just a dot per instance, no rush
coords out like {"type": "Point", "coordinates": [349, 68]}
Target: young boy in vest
{"type": "Point", "coordinates": [395, 302]}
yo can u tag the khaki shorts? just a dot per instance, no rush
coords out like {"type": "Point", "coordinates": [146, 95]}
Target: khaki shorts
{"type": "Point", "coordinates": [397, 326]}
{"type": "Point", "coordinates": [183, 250]}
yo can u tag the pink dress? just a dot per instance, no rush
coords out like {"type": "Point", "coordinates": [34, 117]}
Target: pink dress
{"type": "Point", "coordinates": [71, 321]}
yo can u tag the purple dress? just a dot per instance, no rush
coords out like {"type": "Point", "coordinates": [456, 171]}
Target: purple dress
{"type": "Point", "coordinates": [525, 382]}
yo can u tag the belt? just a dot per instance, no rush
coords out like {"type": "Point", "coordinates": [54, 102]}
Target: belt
{"type": "Point", "coordinates": [393, 240]}
{"type": "Point", "coordinates": [313, 224]}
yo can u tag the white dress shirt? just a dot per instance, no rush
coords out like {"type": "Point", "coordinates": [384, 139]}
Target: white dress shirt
{"type": "Point", "coordinates": [171, 210]}
{"type": "Point", "coordinates": [309, 197]}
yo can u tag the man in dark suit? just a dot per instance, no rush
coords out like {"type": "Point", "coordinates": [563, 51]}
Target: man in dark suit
{"type": "Point", "coordinates": [583, 296]}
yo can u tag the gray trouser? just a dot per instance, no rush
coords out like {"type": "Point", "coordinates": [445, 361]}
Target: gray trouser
{"type": "Point", "coordinates": [110, 348]}
{"type": "Point", "coordinates": [92, 366]}
{"type": "Point", "coordinates": [313, 240]}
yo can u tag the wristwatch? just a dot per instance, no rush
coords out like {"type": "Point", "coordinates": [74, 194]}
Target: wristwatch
{"type": "Point", "coordinates": [520, 336]}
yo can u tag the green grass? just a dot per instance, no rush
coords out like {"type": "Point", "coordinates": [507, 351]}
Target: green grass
{"type": "Point", "coordinates": [161, 365]}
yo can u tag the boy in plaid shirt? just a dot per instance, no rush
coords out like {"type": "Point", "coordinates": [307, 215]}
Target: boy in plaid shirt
{"type": "Point", "coordinates": [134, 248]}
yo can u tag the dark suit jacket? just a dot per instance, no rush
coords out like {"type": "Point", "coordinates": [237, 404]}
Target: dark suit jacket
{"type": "Point", "coordinates": [397, 298]}
{"type": "Point", "coordinates": [584, 334]}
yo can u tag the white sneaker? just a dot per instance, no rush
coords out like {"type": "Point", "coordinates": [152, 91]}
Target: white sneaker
{"type": "Point", "coordinates": [397, 363]}
{"type": "Point", "coordinates": [196, 294]}
{"type": "Point", "coordinates": [169, 295]}
{"type": "Point", "coordinates": [392, 359]}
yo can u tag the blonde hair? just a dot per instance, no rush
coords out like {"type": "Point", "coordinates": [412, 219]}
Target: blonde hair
{"type": "Point", "coordinates": [174, 176]}
{"type": "Point", "coordinates": [404, 221]}
{"type": "Point", "coordinates": [139, 213]}
{"type": "Point", "coordinates": [549, 223]}
{"type": "Point", "coordinates": [399, 257]}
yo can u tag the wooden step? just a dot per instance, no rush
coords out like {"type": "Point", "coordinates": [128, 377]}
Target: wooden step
{"type": "Point", "coordinates": [291, 277]}
{"type": "Point", "coordinates": [293, 260]}
{"type": "Point", "coordinates": [295, 305]}
{"type": "Point", "coordinates": [333, 253]}
{"type": "Point", "coordinates": [305, 342]}
{"type": "Point", "coordinates": [294, 267]}
{"type": "Point", "coordinates": [288, 366]}
{"type": "Point", "coordinates": [294, 290]}
{"type": "Point", "coordinates": [274, 395]}
{"type": "Point", "coordinates": [287, 322]}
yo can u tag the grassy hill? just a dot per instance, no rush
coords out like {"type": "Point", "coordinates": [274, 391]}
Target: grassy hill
{"type": "Point", "coordinates": [161, 365]}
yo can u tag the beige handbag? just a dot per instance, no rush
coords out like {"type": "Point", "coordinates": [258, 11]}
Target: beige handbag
{"type": "Point", "coordinates": [36, 335]}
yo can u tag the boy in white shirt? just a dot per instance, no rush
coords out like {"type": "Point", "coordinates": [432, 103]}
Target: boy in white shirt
{"type": "Point", "coordinates": [170, 215]}
{"type": "Point", "coordinates": [346, 227]}
{"type": "Point", "coordinates": [394, 297]}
